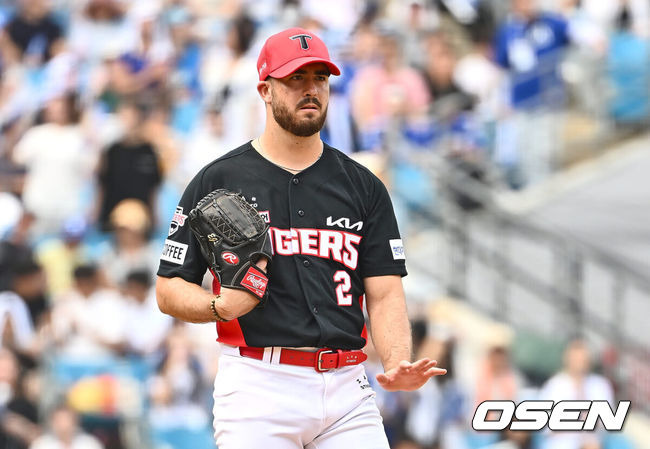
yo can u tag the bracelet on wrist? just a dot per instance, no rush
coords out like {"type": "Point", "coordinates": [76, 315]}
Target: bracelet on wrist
{"type": "Point", "coordinates": [214, 310]}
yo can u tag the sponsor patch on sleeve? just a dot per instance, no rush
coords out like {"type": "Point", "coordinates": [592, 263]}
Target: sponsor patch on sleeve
{"type": "Point", "coordinates": [178, 220]}
{"type": "Point", "coordinates": [397, 248]}
{"type": "Point", "coordinates": [174, 252]}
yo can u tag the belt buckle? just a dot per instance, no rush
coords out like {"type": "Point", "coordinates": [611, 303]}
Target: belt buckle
{"type": "Point", "coordinates": [319, 359]}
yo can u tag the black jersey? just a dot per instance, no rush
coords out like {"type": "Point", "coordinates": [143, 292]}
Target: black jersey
{"type": "Point", "coordinates": [331, 225]}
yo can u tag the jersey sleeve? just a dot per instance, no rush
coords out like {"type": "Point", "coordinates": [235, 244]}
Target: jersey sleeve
{"type": "Point", "coordinates": [381, 250]}
{"type": "Point", "coordinates": [181, 255]}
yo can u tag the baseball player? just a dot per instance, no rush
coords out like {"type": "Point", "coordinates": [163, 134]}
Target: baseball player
{"type": "Point", "coordinates": [289, 313]}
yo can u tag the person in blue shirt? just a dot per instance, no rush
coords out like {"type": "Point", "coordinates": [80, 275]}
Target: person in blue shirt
{"type": "Point", "coordinates": [529, 46]}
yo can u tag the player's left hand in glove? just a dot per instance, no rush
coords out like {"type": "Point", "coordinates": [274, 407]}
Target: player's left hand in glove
{"type": "Point", "coordinates": [233, 237]}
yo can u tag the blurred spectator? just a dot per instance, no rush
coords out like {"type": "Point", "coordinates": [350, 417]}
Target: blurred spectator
{"type": "Point", "coordinates": [496, 378]}
{"type": "Point", "coordinates": [129, 249]}
{"type": "Point", "coordinates": [30, 284]}
{"type": "Point", "coordinates": [31, 35]}
{"type": "Point", "coordinates": [101, 29]}
{"type": "Point", "coordinates": [206, 144]}
{"type": "Point", "coordinates": [477, 75]}
{"type": "Point", "coordinates": [439, 67]}
{"type": "Point", "coordinates": [416, 18]}
{"type": "Point", "coordinates": [529, 45]}
{"type": "Point", "coordinates": [58, 164]}
{"type": "Point", "coordinates": [140, 71]}
{"type": "Point", "coordinates": [227, 75]}
{"type": "Point", "coordinates": [145, 326]}
{"type": "Point", "coordinates": [15, 250]}
{"type": "Point", "coordinates": [574, 383]}
{"type": "Point", "coordinates": [175, 390]}
{"type": "Point", "coordinates": [387, 94]}
{"type": "Point", "coordinates": [129, 168]}
{"type": "Point", "coordinates": [628, 63]}
{"type": "Point", "coordinates": [88, 321]}
{"type": "Point", "coordinates": [12, 210]}
{"type": "Point", "coordinates": [59, 256]}
{"type": "Point", "coordinates": [339, 16]}
{"type": "Point", "coordinates": [65, 432]}
{"type": "Point", "coordinates": [583, 64]}
{"type": "Point", "coordinates": [18, 409]}
{"type": "Point", "coordinates": [158, 132]}
{"type": "Point", "coordinates": [16, 326]}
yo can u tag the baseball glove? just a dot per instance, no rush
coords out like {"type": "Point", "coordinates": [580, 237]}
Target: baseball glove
{"type": "Point", "coordinates": [232, 236]}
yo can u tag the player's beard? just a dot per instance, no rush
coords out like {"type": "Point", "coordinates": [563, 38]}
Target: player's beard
{"type": "Point", "coordinates": [299, 127]}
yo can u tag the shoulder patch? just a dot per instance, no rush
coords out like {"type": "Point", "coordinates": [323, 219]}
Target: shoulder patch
{"type": "Point", "coordinates": [177, 221]}
{"type": "Point", "coordinates": [397, 248]}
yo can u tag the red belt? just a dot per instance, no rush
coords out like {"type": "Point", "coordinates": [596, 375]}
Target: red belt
{"type": "Point", "coordinates": [321, 360]}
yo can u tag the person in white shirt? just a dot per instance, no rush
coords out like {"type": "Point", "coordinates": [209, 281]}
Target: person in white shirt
{"type": "Point", "coordinates": [145, 327]}
{"type": "Point", "coordinates": [65, 433]}
{"type": "Point", "coordinates": [58, 162]}
{"type": "Point", "coordinates": [576, 381]}
{"type": "Point", "coordinates": [16, 327]}
{"type": "Point", "coordinates": [88, 321]}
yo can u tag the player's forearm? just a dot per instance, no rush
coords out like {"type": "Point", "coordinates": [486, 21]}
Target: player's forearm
{"type": "Point", "coordinates": [184, 300]}
{"type": "Point", "coordinates": [390, 329]}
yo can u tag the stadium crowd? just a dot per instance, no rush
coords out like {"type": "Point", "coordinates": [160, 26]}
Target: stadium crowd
{"type": "Point", "coordinates": [109, 107]}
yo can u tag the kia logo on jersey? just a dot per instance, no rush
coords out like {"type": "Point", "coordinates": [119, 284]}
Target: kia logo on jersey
{"type": "Point", "coordinates": [344, 222]}
{"type": "Point", "coordinates": [230, 258]}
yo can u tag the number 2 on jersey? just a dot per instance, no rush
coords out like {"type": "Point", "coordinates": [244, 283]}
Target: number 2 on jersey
{"type": "Point", "coordinates": [343, 296]}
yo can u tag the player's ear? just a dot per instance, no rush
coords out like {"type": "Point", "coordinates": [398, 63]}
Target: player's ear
{"type": "Point", "coordinates": [264, 89]}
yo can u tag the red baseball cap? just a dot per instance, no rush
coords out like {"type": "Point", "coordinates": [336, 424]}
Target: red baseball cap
{"type": "Point", "coordinates": [287, 51]}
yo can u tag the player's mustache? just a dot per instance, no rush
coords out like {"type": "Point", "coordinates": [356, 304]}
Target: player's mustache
{"type": "Point", "coordinates": [307, 101]}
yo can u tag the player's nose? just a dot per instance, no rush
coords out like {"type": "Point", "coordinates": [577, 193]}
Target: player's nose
{"type": "Point", "coordinates": [310, 88]}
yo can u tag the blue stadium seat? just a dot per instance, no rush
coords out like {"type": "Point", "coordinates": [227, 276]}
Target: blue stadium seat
{"type": "Point", "coordinates": [617, 441]}
{"type": "Point", "coordinates": [477, 440]}
{"type": "Point", "coordinates": [67, 371]}
{"type": "Point", "coordinates": [183, 438]}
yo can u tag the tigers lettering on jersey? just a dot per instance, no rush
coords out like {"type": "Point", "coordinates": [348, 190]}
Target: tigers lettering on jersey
{"type": "Point", "coordinates": [325, 243]}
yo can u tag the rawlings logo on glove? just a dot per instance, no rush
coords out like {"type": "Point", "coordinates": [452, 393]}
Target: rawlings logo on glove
{"type": "Point", "coordinates": [232, 237]}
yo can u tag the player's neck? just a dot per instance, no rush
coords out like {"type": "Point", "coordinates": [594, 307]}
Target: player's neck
{"type": "Point", "coordinates": [288, 150]}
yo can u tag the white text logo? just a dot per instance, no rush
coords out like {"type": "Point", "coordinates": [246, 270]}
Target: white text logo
{"type": "Point", "coordinates": [564, 415]}
{"type": "Point", "coordinates": [344, 223]}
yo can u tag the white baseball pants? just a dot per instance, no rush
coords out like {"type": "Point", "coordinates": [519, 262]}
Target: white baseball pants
{"type": "Point", "coordinates": [262, 404]}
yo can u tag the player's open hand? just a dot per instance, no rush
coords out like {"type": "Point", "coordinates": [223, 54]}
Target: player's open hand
{"type": "Point", "coordinates": [409, 376]}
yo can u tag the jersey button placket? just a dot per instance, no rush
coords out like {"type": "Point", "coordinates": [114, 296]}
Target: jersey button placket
{"type": "Point", "coordinates": [295, 181]}
{"type": "Point", "coordinates": [306, 263]}
{"type": "Point", "coordinates": [301, 213]}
